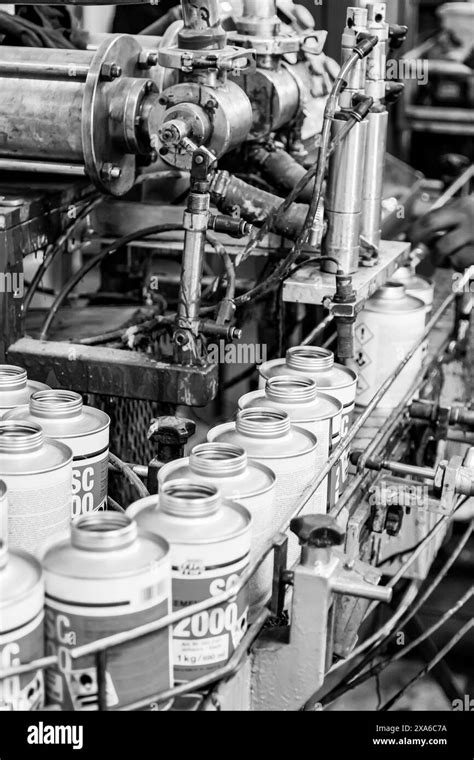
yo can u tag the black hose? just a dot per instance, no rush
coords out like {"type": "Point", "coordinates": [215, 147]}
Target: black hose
{"type": "Point", "coordinates": [156, 229]}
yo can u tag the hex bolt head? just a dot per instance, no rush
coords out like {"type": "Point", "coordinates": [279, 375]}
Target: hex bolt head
{"type": "Point", "coordinates": [147, 59]}
{"type": "Point", "coordinates": [110, 71]}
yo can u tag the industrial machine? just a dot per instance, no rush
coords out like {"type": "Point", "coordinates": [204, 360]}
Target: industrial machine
{"type": "Point", "coordinates": [173, 199]}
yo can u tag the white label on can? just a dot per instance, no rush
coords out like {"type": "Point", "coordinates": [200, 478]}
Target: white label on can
{"type": "Point", "coordinates": [89, 483]}
{"type": "Point", "coordinates": [39, 508]}
{"type": "Point", "coordinates": [25, 691]}
{"type": "Point", "coordinates": [203, 641]}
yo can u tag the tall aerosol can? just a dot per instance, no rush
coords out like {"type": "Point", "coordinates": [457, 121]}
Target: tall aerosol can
{"type": "Point", "coordinates": [343, 199]}
{"type": "Point", "coordinates": [107, 577]}
{"type": "Point", "coordinates": [317, 412]}
{"type": "Point", "coordinates": [377, 123]}
{"type": "Point", "coordinates": [21, 629]}
{"type": "Point", "coordinates": [388, 326]}
{"type": "Point", "coordinates": [250, 483]}
{"type": "Point", "coordinates": [38, 474]}
{"type": "Point", "coordinates": [332, 378]}
{"type": "Point", "coordinates": [15, 387]}
{"type": "Point", "coordinates": [64, 417]}
{"type": "Point", "coordinates": [210, 548]}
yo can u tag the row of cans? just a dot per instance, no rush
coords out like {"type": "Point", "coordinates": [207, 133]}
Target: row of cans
{"type": "Point", "coordinates": [53, 457]}
{"type": "Point", "coordinates": [111, 572]}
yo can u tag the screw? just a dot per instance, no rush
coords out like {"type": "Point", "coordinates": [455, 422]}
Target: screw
{"type": "Point", "coordinates": [110, 71]}
{"type": "Point", "coordinates": [110, 171]}
{"type": "Point", "coordinates": [198, 159]}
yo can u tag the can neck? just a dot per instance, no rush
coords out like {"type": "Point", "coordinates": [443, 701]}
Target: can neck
{"type": "Point", "coordinates": [103, 531]}
{"type": "Point", "coordinates": [183, 498]}
{"type": "Point", "coordinates": [12, 378]}
{"type": "Point", "coordinates": [260, 422]}
{"type": "Point", "coordinates": [291, 389]}
{"type": "Point", "coordinates": [218, 459]}
{"type": "Point", "coordinates": [20, 437]}
{"type": "Point", "coordinates": [53, 404]}
{"type": "Point", "coordinates": [309, 358]}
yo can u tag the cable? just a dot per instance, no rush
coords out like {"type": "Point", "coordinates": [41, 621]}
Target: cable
{"type": "Point", "coordinates": [156, 229]}
{"type": "Point", "coordinates": [116, 464]}
{"type": "Point", "coordinates": [54, 250]}
{"type": "Point", "coordinates": [424, 671]}
{"type": "Point", "coordinates": [113, 505]}
{"type": "Point", "coordinates": [355, 672]}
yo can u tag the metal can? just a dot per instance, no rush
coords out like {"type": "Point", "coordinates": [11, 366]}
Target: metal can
{"type": "Point", "coordinates": [210, 547]}
{"type": "Point", "coordinates": [268, 437]}
{"type": "Point", "coordinates": [106, 577]}
{"type": "Point", "coordinates": [3, 522]}
{"type": "Point", "coordinates": [251, 484]}
{"type": "Point", "coordinates": [336, 379]}
{"type": "Point", "coordinates": [38, 475]}
{"type": "Point", "coordinates": [416, 286]}
{"type": "Point", "coordinates": [15, 387]}
{"type": "Point", "coordinates": [63, 416]}
{"type": "Point", "coordinates": [21, 629]}
{"type": "Point", "coordinates": [386, 329]}
{"type": "Point", "coordinates": [318, 413]}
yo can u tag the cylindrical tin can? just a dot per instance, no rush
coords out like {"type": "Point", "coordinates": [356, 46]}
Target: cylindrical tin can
{"type": "Point", "coordinates": [416, 286]}
{"type": "Point", "coordinates": [268, 436]}
{"type": "Point", "coordinates": [386, 329]}
{"type": "Point", "coordinates": [336, 379]}
{"type": "Point", "coordinates": [104, 578]}
{"type": "Point", "coordinates": [15, 388]}
{"type": "Point", "coordinates": [317, 412]}
{"type": "Point", "coordinates": [85, 430]}
{"type": "Point", "coordinates": [21, 629]}
{"type": "Point", "coordinates": [251, 484]}
{"type": "Point", "coordinates": [3, 522]}
{"type": "Point", "coordinates": [38, 475]}
{"type": "Point", "coordinates": [210, 547]}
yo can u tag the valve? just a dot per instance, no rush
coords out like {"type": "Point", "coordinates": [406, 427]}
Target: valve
{"type": "Point", "coordinates": [171, 434]}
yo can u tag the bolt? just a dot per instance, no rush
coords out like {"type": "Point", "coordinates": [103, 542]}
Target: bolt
{"type": "Point", "coordinates": [163, 101]}
{"type": "Point", "coordinates": [163, 151]}
{"type": "Point", "coordinates": [198, 159]}
{"type": "Point", "coordinates": [147, 59]}
{"type": "Point", "coordinates": [110, 71]}
{"type": "Point", "coordinates": [153, 155]}
{"type": "Point", "coordinates": [110, 171]}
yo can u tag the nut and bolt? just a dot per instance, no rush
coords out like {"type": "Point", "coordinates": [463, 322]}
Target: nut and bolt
{"type": "Point", "coordinates": [147, 59]}
{"type": "Point", "coordinates": [109, 71]}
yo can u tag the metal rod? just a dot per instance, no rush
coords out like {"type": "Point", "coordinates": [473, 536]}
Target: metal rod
{"type": "Point", "coordinates": [73, 71]}
{"type": "Point", "coordinates": [224, 672]}
{"type": "Point", "coordinates": [41, 167]}
{"type": "Point", "coordinates": [101, 672]}
{"type": "Point", "coordinates": [318, 329]}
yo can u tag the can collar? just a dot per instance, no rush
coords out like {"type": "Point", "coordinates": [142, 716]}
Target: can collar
{"type": "Point", "coordinates": [103, 531]}
{"type": "Point", "coordinates": [53, 404]}
{"type": "Point", "coordinates": [309, 358]}
{"type": "Point", "coordinates": [21, 437]}
{"type": "Point", "coordinates": [261, 422]}
{"type": "Point", "coordinates": [291, 389]}
{"type": "Point", "coordinates": [218, 459]}
{"type": "Point", "coordinates": [183, 498]}
{"type": "Point", "coordinates": [12, 378]}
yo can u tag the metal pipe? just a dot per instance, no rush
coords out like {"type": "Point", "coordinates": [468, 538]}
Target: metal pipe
{"type": "Point", "coordinates": [318, 329]}
{"type": "Point", "coordinates": [41, 167]}
{"type": "Point", "coordinates": [195, 226]}
{"type": "Point", "coordinates": [54, 70]}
